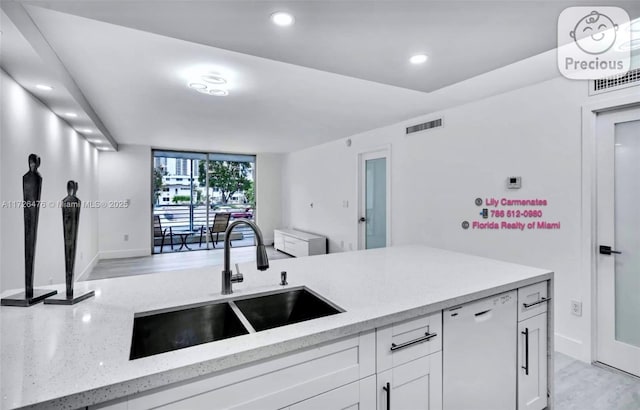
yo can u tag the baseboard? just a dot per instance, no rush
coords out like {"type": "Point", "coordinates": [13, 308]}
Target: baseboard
{"type": "Point", "coordinates": [126, 253]}
{"type": "Point", "coordinates": [571, 347]}
{"type": "Point", "coordinates": [89, 267]}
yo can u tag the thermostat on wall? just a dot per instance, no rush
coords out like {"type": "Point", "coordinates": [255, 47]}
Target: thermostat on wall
{"type": "Point", "coordinates": [514, 182]}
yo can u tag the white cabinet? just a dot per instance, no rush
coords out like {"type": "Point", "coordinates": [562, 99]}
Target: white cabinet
{"type": "Point", "coordinates": [403, 342]}
{"type": "Point", "coordinates": [532, 346]}
{"type": "Point", "coordinates": [423, 363]}
{"type": "Point", "coordinates": [416, 385]}
{"type": "Point", "coordinates": [272, 384]}
{"type": "Point", "coordinates": [409, 364]}
{"type": "Point", "coordinates": [355, 396]}
{"type": "Point", "coordinates": [297, 243]}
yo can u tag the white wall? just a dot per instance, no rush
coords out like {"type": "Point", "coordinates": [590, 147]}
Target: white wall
{"type": "Point", "coordinates": [532, 132]}
{"type": "Point", "coordinates": [269, 193]}
{"type": "Point", "coordinates": [28, 127]}
{"type": "Point", "coordinates": [125, 175]}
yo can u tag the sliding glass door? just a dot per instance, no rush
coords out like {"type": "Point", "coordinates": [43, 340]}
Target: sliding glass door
{"type": "Point", "coordinates": [196, 195]}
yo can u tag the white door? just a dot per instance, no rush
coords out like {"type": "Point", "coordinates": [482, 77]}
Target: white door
{"type": "Point", "coordinates": [373, 218]}
{"type": "Point", "coordinates": [618, 239]}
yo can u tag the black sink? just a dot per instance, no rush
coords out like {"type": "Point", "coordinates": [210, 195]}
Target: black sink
{"type": "Point", "coordinates": [284, 308]}
{"type": "Point", "coordinates": [162, 332]}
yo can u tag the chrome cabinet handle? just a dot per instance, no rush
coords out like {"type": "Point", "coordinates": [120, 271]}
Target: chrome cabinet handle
{"type": "Point", "coordinates": [427, 336]}
{"type": "Point", "coordinates": [387, 388]}
{"type": "Point", "coordinates": [526, 351]}
{"type": "Point", "coordinates": [542, 300]}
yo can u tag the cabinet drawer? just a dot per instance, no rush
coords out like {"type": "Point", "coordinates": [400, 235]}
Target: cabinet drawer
{"type": "Point", "coordinates": [271, 384]}
{"type": "Point", "coordinates": [531, 300]}
{"type": "Point", "coordinates": [300, 248]}
{"type": "Point", "coordinates": [403, 342]}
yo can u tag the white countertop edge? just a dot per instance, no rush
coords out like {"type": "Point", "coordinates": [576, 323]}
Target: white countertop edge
{"type": "Point", "coordinates": [208, 367]}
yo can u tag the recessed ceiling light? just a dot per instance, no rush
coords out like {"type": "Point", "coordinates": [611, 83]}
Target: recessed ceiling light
{"type": "Point", "coordinates": [213, 78]}
{"type": "Point", "coordinates": [282, 19]}
{"type": "Point", "coordinates": [70, 114]}
{"type": "Point", "coordinates": [44, 87]}
{"type": "Point", "coordinates": [418, 58]}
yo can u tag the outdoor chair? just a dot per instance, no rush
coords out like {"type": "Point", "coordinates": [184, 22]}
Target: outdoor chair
{"type": "Point", "coordinates": [220, 223]}
{"type": "Point", "coordinates": [159, 232]}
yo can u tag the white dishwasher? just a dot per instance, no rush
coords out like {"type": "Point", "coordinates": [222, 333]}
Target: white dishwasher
{"type": "Point", "coordinates": [479, 354]}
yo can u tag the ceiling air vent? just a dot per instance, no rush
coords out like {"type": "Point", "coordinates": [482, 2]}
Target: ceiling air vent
{"type": "Point", "coordinates": [603, 85]}
{"type": "Point", "coordinates": [424, 126]}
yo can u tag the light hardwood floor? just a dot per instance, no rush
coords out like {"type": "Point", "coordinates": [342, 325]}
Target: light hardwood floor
{"type": "Point", "coordinates": [169, 261]}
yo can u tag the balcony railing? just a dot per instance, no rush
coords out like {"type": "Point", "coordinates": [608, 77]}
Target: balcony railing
{"type": "Point", "coordinates": [194, 217]}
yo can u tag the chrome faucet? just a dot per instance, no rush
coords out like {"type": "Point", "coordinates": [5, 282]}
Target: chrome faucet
{"type": "Point", "coordinates": [262, 262]}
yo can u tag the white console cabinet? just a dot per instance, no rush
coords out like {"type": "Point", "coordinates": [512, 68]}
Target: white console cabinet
{"type": "Point", "coordinates": [297, 243]}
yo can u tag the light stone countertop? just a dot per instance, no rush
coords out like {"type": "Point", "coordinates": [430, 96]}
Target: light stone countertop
{"type": "Point", "coordinates": [71, 356]}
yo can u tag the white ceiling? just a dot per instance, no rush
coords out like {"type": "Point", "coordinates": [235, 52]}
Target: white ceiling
{"type": "Point", "coordinates": [367, 39]}
{"type": "Point", "coordinates": [134, 79]}
{"type": "Point", "coordinates": [341, 69]}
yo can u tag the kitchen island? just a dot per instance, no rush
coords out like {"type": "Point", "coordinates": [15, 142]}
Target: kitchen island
{"type": "Point", "coordinates": [76, 356]}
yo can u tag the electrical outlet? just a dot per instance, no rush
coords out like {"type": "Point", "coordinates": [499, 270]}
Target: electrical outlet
{"type": "Point", "coordinates": [126, 237]}
{"type": "Point", "coordinates": [576, 308]}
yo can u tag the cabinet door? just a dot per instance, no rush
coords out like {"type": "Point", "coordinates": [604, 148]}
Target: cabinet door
{"type": "Point", "coordinates": [532, 363]}
{"type": "Point", "coordinates": [416, 385]}
{"type": "Point", "coordinates": [359, 395]}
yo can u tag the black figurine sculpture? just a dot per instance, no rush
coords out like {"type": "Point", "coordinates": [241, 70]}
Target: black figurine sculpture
{"type": "Point", "coordinates": [71, 206]}
{"type": "Point", "coordinates": [31, 189]}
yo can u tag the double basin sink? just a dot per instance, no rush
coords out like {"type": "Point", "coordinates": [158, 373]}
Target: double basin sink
{"type": "Point", "coordinates": [163, 331]}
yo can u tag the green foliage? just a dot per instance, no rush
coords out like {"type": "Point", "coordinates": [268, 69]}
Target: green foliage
{"type": "Point", "coordinates": [158, 173]}
{"type": "Point", "coordinates": [228, 176]}
{"type": "Point", "coordinates": [250, 194]}
{"type": "Point", "coordinates": [181, 198]}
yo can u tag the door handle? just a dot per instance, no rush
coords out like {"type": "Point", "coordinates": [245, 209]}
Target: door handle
{"type": "Point", "coordinates": [387, 388]}
{"type": "Point", "coordinates": [362, 219]}
{"type": "Point", "coordinates": [606, 250]}
{"type": "Point", "coordinates": [526, 351]}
